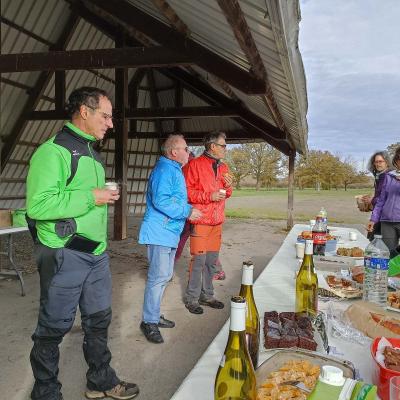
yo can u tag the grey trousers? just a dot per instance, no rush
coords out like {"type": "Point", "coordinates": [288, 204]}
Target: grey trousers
{"type": "Point", "coordinates": [69, 279]}
{"type": "Point", "coordinates": [391, 236]}
{"type": "Point", "coordinates": [200, 285]}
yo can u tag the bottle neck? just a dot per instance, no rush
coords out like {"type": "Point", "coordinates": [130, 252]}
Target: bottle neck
{"type": "Point", "coordinates": [247, 275]}
{"type": "Point", "coordinates": [309, 247]}
{"type": "Point", "coordinates": [238, 318]}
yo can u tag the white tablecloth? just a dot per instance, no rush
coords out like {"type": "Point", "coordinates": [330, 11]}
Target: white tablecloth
{"type": "Point", "coordinates": [273, 290]}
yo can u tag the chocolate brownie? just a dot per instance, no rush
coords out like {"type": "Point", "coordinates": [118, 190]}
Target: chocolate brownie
{"type": "Point", "coordinates": [272, 316]}
{"type": "Point", "coordinates": [268, 324]}
{"type": "Point", "coordinates": [307, 343]}
{"type": "Point", "coordinates": [289, 341]}
{"type": "Point", "coordinates": [305, 333]}
{"type": "Point", "coordinates": [271, 340]}
{"type": "Point", "coordinates": [304, 323]}
{"type": "Point", "coordinates": [287, 315]}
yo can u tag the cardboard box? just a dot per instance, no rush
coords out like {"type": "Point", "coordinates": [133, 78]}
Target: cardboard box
{"type": "Point", "coordinates": [5, 218]}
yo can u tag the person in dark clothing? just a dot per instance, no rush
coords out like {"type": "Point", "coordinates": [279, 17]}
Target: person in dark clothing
{"type": "Point", "coordinates": [378, 165]}
{"type": "Point", "coordinates": [67, 214]}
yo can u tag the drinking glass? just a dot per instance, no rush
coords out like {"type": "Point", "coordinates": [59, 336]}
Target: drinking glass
{"type": "Point", "coordinates": [395, 388]}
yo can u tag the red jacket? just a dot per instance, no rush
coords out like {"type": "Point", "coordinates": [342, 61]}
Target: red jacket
{"type": "Point", "coordinates": [201, 181]}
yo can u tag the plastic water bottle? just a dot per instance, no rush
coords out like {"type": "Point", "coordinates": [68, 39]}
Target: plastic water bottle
{"type": "Point", "coordinates": [324, 215]}
{"type": "Point", "coordinates": [376, 263]}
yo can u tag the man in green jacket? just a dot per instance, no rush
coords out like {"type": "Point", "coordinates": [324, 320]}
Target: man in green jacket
{"type": "Point", "coordinates": [67, 214]}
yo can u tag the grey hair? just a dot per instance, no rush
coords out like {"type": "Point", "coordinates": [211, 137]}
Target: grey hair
{"type": "Point", "coordinates": [170, 143]}
{"type": "Point", "coordinates": [212, 137]}
{"type": "Point", "coordinates": [371, 166]}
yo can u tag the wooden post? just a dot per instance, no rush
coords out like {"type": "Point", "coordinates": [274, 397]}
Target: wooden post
{"type": "Point", "coordinates": [292, 157]}
{"type": "Point", "coordinates": [121, 148]}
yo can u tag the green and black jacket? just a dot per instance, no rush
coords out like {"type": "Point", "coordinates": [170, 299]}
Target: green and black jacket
{"type": "Point", "coordinates": [62, 175]}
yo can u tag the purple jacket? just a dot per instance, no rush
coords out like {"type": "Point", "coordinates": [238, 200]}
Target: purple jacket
{"type": "Point", "coordinates": [387, 207]}
{"type": "Point", "coordinates": [378, 187]}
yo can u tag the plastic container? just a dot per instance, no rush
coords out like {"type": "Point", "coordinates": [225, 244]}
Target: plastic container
{"type": "Point", "coordinates": [382, 375]}
{"type": "Point", "coordinates": [376, 263]}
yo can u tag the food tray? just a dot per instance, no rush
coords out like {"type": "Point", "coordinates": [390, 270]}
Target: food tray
{"type": "Point", "coordinates": [324, 288]}
{"type": "Point", "coordinates": [278, 357]}
{"type": "Point", "coordinates": [320, 335]}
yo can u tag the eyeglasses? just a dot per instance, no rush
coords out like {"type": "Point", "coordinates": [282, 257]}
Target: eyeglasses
{"type": "Point", "coordinates": [183, 148]}
{"type": "Point", "coordinates": [106, 116]}
{"type": "Point", "coordinates": [379, 162]}
{"type": "Point", "coordinates": [221, 145]}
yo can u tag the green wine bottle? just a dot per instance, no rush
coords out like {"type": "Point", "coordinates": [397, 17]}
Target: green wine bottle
{"type": "Point", "coordinates": [235, 378]}
{"type": "Point", "coordinates": [307, 284]}
{"type": "Point", "coordinates": [252, 317]}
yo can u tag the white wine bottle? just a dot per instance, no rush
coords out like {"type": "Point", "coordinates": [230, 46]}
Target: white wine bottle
{"type": "Point", "coordinates": [307, 284]}
{"type": "Point", "coordinates": [235, 378]}
{"type": "Point", "coordinates": [252, 317]}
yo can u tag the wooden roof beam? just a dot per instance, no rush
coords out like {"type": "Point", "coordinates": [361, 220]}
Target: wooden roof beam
{"type": "Point", "coordinates": [214, 97]}
{"type": "Point", "coordinates": [131, 16]}
{"type": "Point", "coordinates": [127, 57]}
{"type": "Point", "coordinates": [244, 37]}
{"type": "Point", "coordinates": [179, 112]}
{"type": "Point", "coordinates": [13, 137]}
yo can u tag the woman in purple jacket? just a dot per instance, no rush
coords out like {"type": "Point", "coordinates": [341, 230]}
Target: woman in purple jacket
{"type": "Point", "coordinates": [378, 165]}
{"type": "Point", "coordinates": [387, 208]}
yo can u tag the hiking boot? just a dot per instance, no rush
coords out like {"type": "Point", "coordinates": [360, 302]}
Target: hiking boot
{"type": "Point", "coordinates": [165, 323]}
{"type": "Point", "coordinates": [194, 308]}
{"type": "Point", "coordinates": [219, 276]}
{"type": "Point", "coordinates": [122, 391]}
{"type": "Point", "coordinates": [212, 303]}
{"type": "Point", "coordinates": [151, 332]}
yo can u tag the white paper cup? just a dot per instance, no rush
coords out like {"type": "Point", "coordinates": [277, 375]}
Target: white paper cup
{"type": "Point", "coordinates": [111, 186]}
{"type": "Point", "coordinates": [223, 191]}
{"type": "Point", "coordinates": [300, 249]}
{"type": "Point", "coordinates": [352, 236]}
{"type": "Point", "coordinates": [312, 223]}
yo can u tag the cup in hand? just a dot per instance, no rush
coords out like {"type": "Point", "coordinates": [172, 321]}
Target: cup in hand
{"type": "Point", "coordinates": [222, 191]}
{"type": "Point", "coordinates": [352, 236]}
{"type": "Point", "coordinates": [394, 388]}
{"type": "Point", "coordinates": [111, 186]}
{"type": "Point", "coordinates": [300, 249]}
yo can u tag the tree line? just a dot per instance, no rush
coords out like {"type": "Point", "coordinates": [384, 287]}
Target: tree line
{"type": "Point", "coordinates": [319, 169]}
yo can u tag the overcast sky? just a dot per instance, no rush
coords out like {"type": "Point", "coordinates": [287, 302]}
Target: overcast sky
{"type": "Point", "coordinates": [351, 55]}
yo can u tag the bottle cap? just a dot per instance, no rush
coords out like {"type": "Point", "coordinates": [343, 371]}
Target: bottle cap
{"type": "Point", "coordinates": [332, 376]}
{"type": "Point", "coordinates": [238, 302]}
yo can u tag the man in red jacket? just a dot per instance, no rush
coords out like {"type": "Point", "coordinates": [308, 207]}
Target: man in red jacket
{"type": "Point", "coordinates": [209, 184]}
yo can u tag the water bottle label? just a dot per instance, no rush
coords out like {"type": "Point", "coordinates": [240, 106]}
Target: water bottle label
{"type": "Point", "coordinates": [379, 263]}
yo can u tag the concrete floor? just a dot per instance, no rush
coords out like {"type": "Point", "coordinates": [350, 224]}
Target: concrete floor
{"type": "Point", "coordinates": [157, 369]}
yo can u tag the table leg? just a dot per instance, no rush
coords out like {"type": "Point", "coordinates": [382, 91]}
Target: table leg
{"type": "Point", "coordinates": [9, 254]}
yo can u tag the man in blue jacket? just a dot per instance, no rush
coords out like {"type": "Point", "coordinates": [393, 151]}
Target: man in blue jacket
{"type": "Point", "coordinates": [167, 209]}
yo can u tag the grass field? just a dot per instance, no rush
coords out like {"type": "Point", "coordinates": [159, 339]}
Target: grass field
{"type": "Point", "coordinates": [272, 204]}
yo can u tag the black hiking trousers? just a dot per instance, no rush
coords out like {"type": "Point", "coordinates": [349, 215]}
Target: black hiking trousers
{"type": "Point", "coordinates": [69, 279]}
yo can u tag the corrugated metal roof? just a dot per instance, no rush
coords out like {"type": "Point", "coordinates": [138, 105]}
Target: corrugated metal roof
{"type": "Point", "coordinates": [274, 26]}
